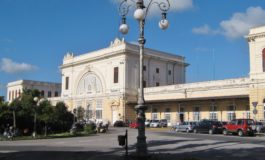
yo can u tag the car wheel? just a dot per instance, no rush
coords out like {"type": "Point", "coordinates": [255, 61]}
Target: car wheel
{"type": "Point", "coordinates": [224, 132]}
{"type": "Point", "coordinates": [210, 131]}
{"type": "Point", "coordinates": [187, 130]}
{"type": "Point", "coordinates": [195, 131]}
{"type": "Point", "coordinates": [240, 133]}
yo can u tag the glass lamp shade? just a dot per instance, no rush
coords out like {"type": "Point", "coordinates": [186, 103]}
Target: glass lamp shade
{"type": "Point", "coordinates": [124, 28]}
{"type": "Point", "coordinates": [163, 24]}
{"type": "Point", "coordinates": [139, 14]}
{"type": "Point", "coordinates": [35, 99]}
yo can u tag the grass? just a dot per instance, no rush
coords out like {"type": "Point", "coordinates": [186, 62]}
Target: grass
{"type": "Point", "coordinates": [50, 136]}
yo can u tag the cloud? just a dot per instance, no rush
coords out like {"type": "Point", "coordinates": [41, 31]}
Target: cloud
{"type": "Point", "coordinates": [240, 23]}
{"type": "Point", "coordinates": [205, 30]}
{"type": "Point", "coordinates": [11, 67]}
{"type": "Point", "coordinates": [237, 26]}
{"type": "Point", "coordinates": [175, 5]}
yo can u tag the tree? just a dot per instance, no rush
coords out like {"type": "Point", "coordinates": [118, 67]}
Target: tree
{"type": "Point", "coordinates": [80, 113]}
{"type": "Point", "coordinates": [5, 116]}
{"type": "Point", "coordinates": [45, 114]}
{"type": "Point", "coordinates": [2, 99]}
{"type": "Point", "coordinates": [62, 118]}
{"type": "Point", "coordinates": [15, 106]}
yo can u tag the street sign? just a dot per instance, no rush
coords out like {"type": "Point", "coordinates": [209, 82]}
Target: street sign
{"type": "Point", "coordinates": [255, 104]}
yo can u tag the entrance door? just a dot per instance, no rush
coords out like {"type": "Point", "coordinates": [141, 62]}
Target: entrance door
{"type": "Point", "coordinates": [114, 116]}
{"type": "Point", "coordinates": [181, 117]}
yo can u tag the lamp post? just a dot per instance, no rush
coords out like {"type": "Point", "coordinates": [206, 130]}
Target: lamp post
{"type": "Point", "coordinates": [38, 101]}
{"type": "Point", "coordinates": [140, 14]}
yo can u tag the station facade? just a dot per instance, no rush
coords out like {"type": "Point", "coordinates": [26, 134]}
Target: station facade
{"type": "Point", "coordinates": [105, 83]}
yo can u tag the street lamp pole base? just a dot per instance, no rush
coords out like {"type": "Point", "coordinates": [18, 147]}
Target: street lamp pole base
{"type": "Point", "coordinates": [141, 146]}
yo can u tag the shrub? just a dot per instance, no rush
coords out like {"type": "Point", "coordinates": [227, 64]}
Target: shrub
{"type": "Point", "coordinates": [89, 129]}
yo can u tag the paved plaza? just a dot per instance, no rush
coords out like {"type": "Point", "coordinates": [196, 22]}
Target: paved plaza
{"type": "Point", "coordinates": [162, 144]}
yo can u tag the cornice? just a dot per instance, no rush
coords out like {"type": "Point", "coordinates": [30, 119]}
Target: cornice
{"type": "Point", "coordinates": [253, 37]}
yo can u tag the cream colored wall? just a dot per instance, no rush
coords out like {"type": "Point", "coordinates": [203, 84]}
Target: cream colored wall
{"type": "Point", "coordinates": [256, 39]}
{"type": "Point", "coordinates": [204, 105]}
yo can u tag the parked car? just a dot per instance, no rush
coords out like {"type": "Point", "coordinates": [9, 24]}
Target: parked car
{"type": "Point", "coordinates": [134, 125]}
{"type": "Point", "coordinates": [147, 122]}
{"type": "Point", "coordinates": [208, 126]}
{"type": "Point", "coordinates": [119, 123]}
{"type": "Point", "coordinates": [240, 127]}
{"type": "Point", "coordinates": [258, 127]}
{"type": "Point", "coordinates": [185, 127]}
{"type": "Point", "coordinates": [155, 123]}
{"type": "Point", "coordinates": [163, 123]}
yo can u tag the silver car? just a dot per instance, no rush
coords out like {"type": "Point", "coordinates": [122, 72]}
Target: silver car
{"type": "Point", "coordinates": [155, 124]}
{"type": "Point", "coordinates": [185, 127]}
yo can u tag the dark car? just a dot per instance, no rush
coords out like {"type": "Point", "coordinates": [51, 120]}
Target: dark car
{"type": "Point", "coordinates": [163, 123]}
{"type": "Point", "coordinates": [240, 127]}
{"type": "Point", "coordinates": [208, 126]}
{"type": "Point", "coordinates": [77, 127]}
{"type": "Point", "coordinates": [119, 124]}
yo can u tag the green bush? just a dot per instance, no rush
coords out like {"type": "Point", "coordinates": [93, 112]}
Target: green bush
{"type": "Point", "coordinates": [89, 129]}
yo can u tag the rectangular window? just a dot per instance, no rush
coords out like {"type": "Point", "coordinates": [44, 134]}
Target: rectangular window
{"type": "Point", "coordinates": [196, 114]}
{"type": "Point", "coordinates": [154, 114]}
{"type": "Point", "coordinates": [169, 72]}
{"type": "Point", "coordinates": [116, 74]}
{"type": "Point", "coordinates": [99, 109]}
{"type": "Point", "coordinates": [157, 83]}
{"type": "Point", "coordinates": [42, 93]}
{"type": "Point", "coordinates": [49, 94]}
{"type": "Point", "coordinates": [231, 113]}
{"type": "Point", "coordinates": [157, 70]}
{"type": "Point", "coordinates": [56, 94]}
{"type": "Point", "coordinates": [248, 114]}
{"type": "Point", "coordinates": [167, 114]}
{"type": "Point", "coordinates": [66, 83]}
{"type": "Point", "coordinates": [213, 116]}
{"type": "Point", "coordinates": [144, 68]}
{"type": "Point", "coordinates": [213, 113]}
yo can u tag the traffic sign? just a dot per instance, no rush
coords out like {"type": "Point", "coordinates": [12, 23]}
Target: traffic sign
{"type": "Point", "coordinates": [255, 104]}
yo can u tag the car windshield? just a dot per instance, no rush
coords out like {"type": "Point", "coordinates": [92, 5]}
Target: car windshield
{"type": "Point", "coordinates": [155, 121]}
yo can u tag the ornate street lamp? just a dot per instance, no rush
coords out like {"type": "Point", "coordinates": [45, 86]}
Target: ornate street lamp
{"type": "Point", "coordinates": [140, 14]}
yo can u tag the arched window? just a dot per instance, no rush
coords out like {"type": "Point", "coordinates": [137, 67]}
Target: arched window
{"type": "Point", "coordinates": [263, 60]}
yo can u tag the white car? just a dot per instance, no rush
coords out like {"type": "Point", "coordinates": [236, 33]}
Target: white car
{"type": "Point", "coordinates": [148, 122]}
{"type": "Point", "coordinates": [155, 123]}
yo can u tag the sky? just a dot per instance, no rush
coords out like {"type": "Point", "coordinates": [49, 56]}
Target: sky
{"type": "Point", "coordinates": [36, 34]}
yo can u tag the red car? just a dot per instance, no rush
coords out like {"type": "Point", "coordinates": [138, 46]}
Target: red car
{"type": "Point", "coordinates": [240, 126]}
{"type": "Point", "coordinates": [134, 125]}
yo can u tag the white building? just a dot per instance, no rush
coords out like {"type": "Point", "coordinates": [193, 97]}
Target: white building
{"type": "Point", "coordinates": [104, 81]}
{"type": "Point", "coordinates": [47, 89]}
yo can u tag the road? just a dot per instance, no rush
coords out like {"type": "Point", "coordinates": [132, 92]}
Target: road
{"type": "Point", "coordinates": [162, 144]}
